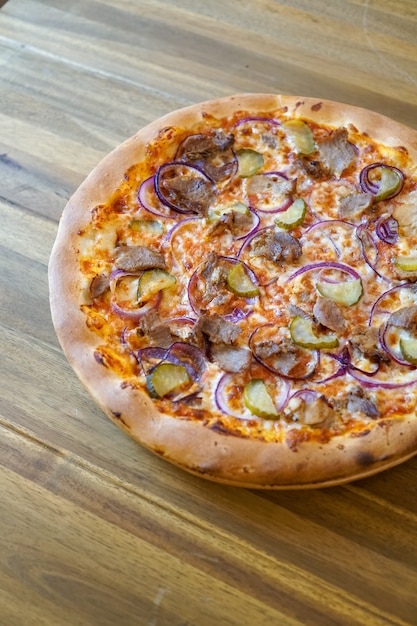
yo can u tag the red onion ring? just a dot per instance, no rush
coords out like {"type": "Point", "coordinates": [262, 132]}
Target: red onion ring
{"type": "Point", "coordinates": [387, 293]}
{"type": "Point", "coordinates": [368, 381]}
{"type": "Point", "coordinates": [253, 228]}
{"type": "Point", "coordinates": [147, 186]}
{"type": "Point", "coordinates": [266, 120]}
{"type": "Point", "coordinates": [136, 314]}
{"type": "Point", "coordinates": [387, 229]}
{"type": "Point", "coordinates": [221, 402]}
{"type": "Point", "coordinates": [324, 265]}
{"type": "Point", "coordinates": [274, 209]}
{"type": "Point", "coordinates": [368, 186]}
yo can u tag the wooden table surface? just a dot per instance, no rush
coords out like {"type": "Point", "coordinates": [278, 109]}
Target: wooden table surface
{"type": "Point", "coordinates": [94, 530]}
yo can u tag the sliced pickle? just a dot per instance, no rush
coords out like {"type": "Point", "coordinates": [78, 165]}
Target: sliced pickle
{"type": "Point", "coordinates": [302, 334]}
{"type": "Point", "coordinates": [293, 216]}
{"type": "Point", "coordinates": [249, 161]}
{"type": "Point", "coordinates": [408, 346]}
{"type": "Point", "coordinates": [152, 281]}
{"type": "Point", "coordinates": [240, 283]}
{"type": "Point", "coordinates": [166, 378]}
{"type": "Point", "coordinates": [237, 207]}
{"type": "Point", "coordinates": [152, 227]}
{"type": "Point", "coordinates": [300, 136]}
{"type": "Point", "coordinates": [389, 184]}
{"type": "Point", "coordinates": [346, 293]}
{"type": "Point", "coordinates": [258, 400]}
{"type": "Point", "coordinates": [406, 263]}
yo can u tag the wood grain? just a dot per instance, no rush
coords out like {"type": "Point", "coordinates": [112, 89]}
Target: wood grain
{"type": "Point", "coordinates": [94, 530]}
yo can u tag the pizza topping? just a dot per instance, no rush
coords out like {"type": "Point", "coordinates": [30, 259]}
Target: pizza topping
{"type": "Point", "coordinates": [382, 181]}
{"type": "Point", "coordinates": [241, 283]}
{"type": "Point", "coordinates": [275, 350]}
{"type": "Point", "coordinates": [250, 161]}
{"type": "Point", "coordinates": [213, 153]}
{"type": "Point", "coordinates": [408, 347]}
{"type": "Point", "coordinates": [184, 188]}
{"type": "Point", "coordinates": [152, 227]}
{"type": "Point", "coordinates": [346, 293]}
{"type": "Point", "coordinates": [358, 402]}
{"type": "Point", "coordinates": [336, 152]}
{"type": "Point", "coordinates": [328, 314]}
{"type": "Point", "coordinates": [303, 335]}
{"type": "Point", "coordinates": [387, 229]}
{"type": "Point", "coordinates": [364, 343]}
{"type": "Point", "coordinates": [258, 400]}
{"type": "Point", "coordinates": [406, 263]}
{"type": "Point", "coordinates": [270, 192]}
{"type": "Point", "coordinates": [300, 136]}
{"type": "Point", "coordinates": [231, 358]}
{"type": "Point", "coordinates": [99, 285]}
{"type": "Point", "coordinates": [152, 281]}
{"type": "Point", "coordinates": [405, 318]}
{"type": "Point", "coordinates": [311, 168]}
{"type": "Point", "coordinates": [216, 328]}
{"type": "Point", "coordinates": [314, 410]}
{"type": "Point", "coordinates": [166, 378]}
{"type": "Point", "coordinates": [355, 204]}
{"type": "Point", "coordinates": [138, 258]}
{"type": "Point", "coordinates": [236, 218]}
{"type": "Point", "coordinates": [293, 216]}
{"type": "Point", "coordinates": [276, 246]}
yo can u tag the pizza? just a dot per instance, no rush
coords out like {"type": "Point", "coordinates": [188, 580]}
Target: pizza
{"type": "Point", "coordinates": [236, 287]}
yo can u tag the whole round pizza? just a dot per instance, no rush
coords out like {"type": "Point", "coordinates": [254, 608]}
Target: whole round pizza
{"type": "Point", "coordinates": [236, 286]}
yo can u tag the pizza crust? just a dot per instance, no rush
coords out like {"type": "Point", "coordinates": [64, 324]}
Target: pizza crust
{"type": "Point", "coordinates": [189, 444]}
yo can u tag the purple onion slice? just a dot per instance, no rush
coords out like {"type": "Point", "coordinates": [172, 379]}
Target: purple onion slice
{"type": "Point", "coordinates": [382, 181]}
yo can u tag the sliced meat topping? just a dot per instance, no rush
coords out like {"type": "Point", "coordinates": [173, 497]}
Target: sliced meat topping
{"type": "Point", "coordinates": [185, 189]}
{"type": "Point", "coordinates": [316, 412]}
{"type": "Point", "coordinates": [99, 285]}
{"type": "Point", "coordinates": [212, 152]}
{"type": "Point", "coordinates": [355, 204]}
{"type": "Point", "coordinates": [365, 343]}
{"type": "Point", "coordinates": [138, 258]}
{"type": "Point", "coordinates": [358, 402]}
{"type": "Point", "coordinates": [277, 246]}
{"type": "Point", "coordinates": [284, 357]}
{"type": "Point", "coordinates": [215, 276]}
{"type": "Point", "coordinates": [405, 318]}
{"type": "Point", "coordinates": [158, 332]}
{"type": "Point", "coordinates": [231, 358]}
{"type": "Point", "coordinates": [336, 152]}
{"type": "Point", "coordinates": [312, 169]}
{"type": "Point", "coordinates": [217, 329]}
{"type": "Point", "coordinates": [329, 315]}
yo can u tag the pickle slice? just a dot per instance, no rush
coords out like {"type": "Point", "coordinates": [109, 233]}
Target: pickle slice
{"type": "Point", "coordinates": [302, 334]}
{"type": "Point", "coordinates": [257, 399]}
{"type": "Point", "coordinates": [152, 281]}
{"type": "Point", "coordinates": [152, 227]}
{"type": "Point", "coordinates": [406, 263]}
{"type": "Point", "coordinates": [300, 136]}
{"type": "Point", "coordinates": [166, 378]}
{"type": "Point", "coordinates": [249, 162]}
{"type": "Point", "coordinates": [389, 184]}
{"type": "Point", "coordinates": [347, 293]}
{"type": "Point", "coordinates": [293, 216]}
{"type": "Point", "coordinates": [240, 283]}
{"type": "Point", "coordinates": [408, 346]}
{"type": "Point", "coordinates": [237, 207]}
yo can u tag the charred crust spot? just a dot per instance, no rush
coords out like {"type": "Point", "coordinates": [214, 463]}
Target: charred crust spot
{"type": "Point", "coordinates": [299, 103]}
{"type": "Point", "coordinates": [317, 107]}
{"type": "Point", "coordinates": [222, 430]}
{"type": "Point", "coordinates": [365, 458]}
{"type": "Point", "coordinates": [118, 416]}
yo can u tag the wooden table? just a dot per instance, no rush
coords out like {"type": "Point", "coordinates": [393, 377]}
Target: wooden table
{"type": "Point", "coordinates": [94, 530]}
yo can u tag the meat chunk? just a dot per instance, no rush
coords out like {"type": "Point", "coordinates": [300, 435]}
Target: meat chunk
{"type": "Point", "coordinates": [311, 168]}
{"type": "Point", "coordinates": [213, 153]}
{"type": "Point", "coordinates": [329, 315]}
{"type": "Point", "coordinates": [358, 402]}
{"type": "Point", "coordinates": [405, 318]}
{"type": "Point", "coordinates": [355, 204]}
{"type": "Point", "coordinates": [138, 258]}
{"type": "Point", "coordinates": [215, 276]}
{"type": "Point", "coordinates": [364, 343]}
{"type": "Point", "coordinates": [277, 246]}
{"type": "Point", "coordinates": [99, 285]}
{"type": "Point", "coordinates": [158, 332]}
{"type": "Point", "coordinates": [216, 328]}
{"type": "Point", "coordinates": [316, 412]}
{"type": "Point", "coordinates": [285, 357]}
{"type": "Point", "coordinates": [336, 152]}
{"type": "Point", "coordinates": [186, 190]}
{"type": "Point", "coordinates": [231, 358]}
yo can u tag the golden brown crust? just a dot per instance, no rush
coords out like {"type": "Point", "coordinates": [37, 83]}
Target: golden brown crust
{"type": "Point", "coordinates": [188, 443]}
